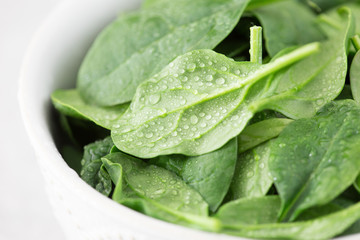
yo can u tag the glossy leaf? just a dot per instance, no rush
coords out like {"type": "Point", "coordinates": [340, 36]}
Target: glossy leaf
{"type": "Point", "coordinates": [308, 85]}
{"type": "Point", "coordinates": [252, 176]}
{"type": "Point", "coordinates": [138, 45]}
{"type": "Point", "coordinates": [71, 104]}
{"type": "Point", "coordinates": [210, 174]}
{"type": "Point", "coordinates": [92, 172]}
{"type": "Point", "coordinates": [314, 160]}
{"type": "Point", "coordinates": [196, 104]}
{"type": "Point", "coordinates": [156, 191]}
{"type": "Point", "coordinates": [283, 30]}
{"type": "Point", "coordinates": [257, 133]}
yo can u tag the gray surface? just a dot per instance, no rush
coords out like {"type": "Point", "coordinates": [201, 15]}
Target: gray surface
{"type": "Point", "coordinates": [25, 212]}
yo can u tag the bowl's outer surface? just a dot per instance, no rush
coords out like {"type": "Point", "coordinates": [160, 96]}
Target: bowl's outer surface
{"type": "Point", "coordinates": [51, 62]}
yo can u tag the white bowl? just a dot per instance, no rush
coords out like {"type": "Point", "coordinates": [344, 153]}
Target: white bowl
{"type": "Point", "coordinates": [52, 61]}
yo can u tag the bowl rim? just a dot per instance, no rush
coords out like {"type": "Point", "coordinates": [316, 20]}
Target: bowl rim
{"type": "Point", "coordinates": [44, 146]}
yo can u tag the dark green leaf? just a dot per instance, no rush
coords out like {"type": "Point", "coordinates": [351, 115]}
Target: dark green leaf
{"type": "Point", "coordinates": [210, 174]}
{"type": "Point", "coordinates": [314, 160]}
{"type": "Point", "coordinates": [282, 29]}
{"type": "Point", "coordinates": [156, 191]}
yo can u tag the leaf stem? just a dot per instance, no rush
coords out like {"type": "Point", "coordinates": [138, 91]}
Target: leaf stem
{"type": "Point", "coordinates": [356, 42]}
{"type": "Point", "coordinates": [256, 44]}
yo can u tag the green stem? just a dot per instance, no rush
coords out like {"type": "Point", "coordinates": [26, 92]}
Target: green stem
{"type": "Point", "coordinates": [356, 42]}
{"type": "Point", "coordinates": [256, 44]}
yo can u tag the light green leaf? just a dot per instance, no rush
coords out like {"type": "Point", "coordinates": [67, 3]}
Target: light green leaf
{"type": "Point", "coordinates": [138, 45]}
{"type": "Point", "coordinates": [257, 133]}
{"type": "Point", "coordinates": [355, 77]}
{"type": "Point", "coordinates": [196, 104]}
{"type": "Point", "coordinates": [71, 104]}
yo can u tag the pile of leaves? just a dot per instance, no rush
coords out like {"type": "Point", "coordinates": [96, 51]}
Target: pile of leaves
{"type": "Point", "coordinates": [191, 127]}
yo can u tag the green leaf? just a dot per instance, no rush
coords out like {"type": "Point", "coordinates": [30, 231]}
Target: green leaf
{"type": "Point", "coordinates": [324, 227]}
{"type": "Point", "coordinates": [249, 211]}
{"type": "Point", "coordinates": [210, 174]}
{"type": "Point", "coordinates": [156, 191]}
{"type": "Point", "coordinates": [196, 104]}
{"type": "Point", "coordinates": [138, 45]}
{"type": "Point", "coordinates": [282, 29]}
{"type": "Point", "coordinates": [300, 91]}
{"type": "Point", "coordinates": [355, 77]}
{"type": "Point", "coordinates": [314, 160]}
{"type": "Point", "coordinates": [252, 176]}
{"type": "Point", "coordinates": [92, 171]}
{"type": "Point", "coordinates": [71, 104]}
{"type": "Point", "coordinates": [257, 133]}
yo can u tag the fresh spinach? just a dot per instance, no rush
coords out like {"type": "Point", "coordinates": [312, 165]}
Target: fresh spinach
{"type": "Point", "coordinates": [260, 132]}
{"type": "Point", "coordinates": [283, 30]}
{"type": "Point", "coordinates": [71, 104]}
{"type": "Point", "coordinates": [138, 45]}
{"type": "Point", "coordinates": [174, 112]}
{"type": "Point", "coordinates": [252, 177]}
{"type": "Point", "coordinates": [314, 160]}
{"type": "Point", "coordinates": [161, 192]}
{"type": "Point", "coordinates": [92, 171]}
{"type": "Point", "coordinates": [254, 148]}
{"type": "Point", "coordinates": [210, 174]}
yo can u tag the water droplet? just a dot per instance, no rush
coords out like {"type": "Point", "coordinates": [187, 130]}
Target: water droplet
{"type": "Point", "coordinates": [160, 191]}
{"type": "Point", "coordinates": [174, 134]}
{"type": "Point", "coordinates": [203, 125]}
{"type": "Point", "coordinates": [250, 174]}
{"type": "Point", "coordinates": [261, 165]}
{"type": "Point", "coordinates": [186, 127]}
{"type": "Point", "coordinates": [220, 81]}
{"type": "Point", "coordinates": [237, 71]}
{"type": "Point", "coordinates": [196, 78]}
{"type": "Point", "coordinates": [194, 119]}
{"type": "Point", "coordinates": [224, 68]}
{"type": "Point", "coordinates": [202, 65]}
{"type": "Point", "coordinates": [155, 98]}
{"type": "Point", "coordinates": [208, 117]}
{"type": "Point", "coordinates": [191, 66]}
{"type": "Point", "coordinates": [209, 78]}
{"type": "Point", "coordinates": [149, 135]}
{"type": "Point", "coordinates": [282, 145]}
{"type": "Point", "coordinates": [183, 101]}
{"type": "Point", "coordinates": [202, 114]}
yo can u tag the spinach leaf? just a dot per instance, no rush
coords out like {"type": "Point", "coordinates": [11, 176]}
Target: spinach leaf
{"type": "Point", "coordinates": [355, 77]}
{"type": "Point", "coordinates": [196, 104]}
{"type": "Point", "coordinates": [252, 176]}
{"type": "Point", "coordinates": [71, 104]}
{"type": "Point", "coordinates": [355, 71]}
{"type": "Point", "coordinates": [283, 30]}
{"type": "Point", "coordinates": [138, 45]}
{"type": "Point", "coordinates": [249, 211]}
{"type": "Point", "coordinates": [92, 171]}
{"type": "Point", "coordinates": [323, 5]}
{"type": "Point", "coordinates": [300, 91]}
{"type": "Point", "coordinates": [156, 191]}
{"type": "Point", "coordinates": [210, 174]}
{"type": "Point", "coordinates": [260, 132]}
{"type": "Point", "coordinates": [264, 209]}
{"type": "Point", "coordinates": [314, 160]}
